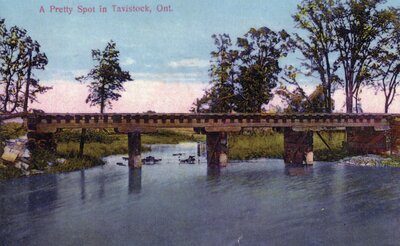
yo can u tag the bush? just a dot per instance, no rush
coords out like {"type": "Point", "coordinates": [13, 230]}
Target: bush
{"type": "Point", "coordinates": [11, 130]}
{"type": "Point", "coordinates": [41, 157]}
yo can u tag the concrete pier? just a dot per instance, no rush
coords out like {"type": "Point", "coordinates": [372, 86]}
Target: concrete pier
{"type": "Point", "coordinates": [217, 149]}
{"type": "Point", "coordinates": [134, 149]}
{"type": "Point", "coordinates": [298, 147]}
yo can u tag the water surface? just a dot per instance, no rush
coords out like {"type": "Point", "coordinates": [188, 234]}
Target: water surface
{"type": "Point", "coordinates": [257, 202]}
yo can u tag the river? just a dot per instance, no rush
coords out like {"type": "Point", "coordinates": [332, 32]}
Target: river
{"type": "Point", "coordinates": [256, 202]}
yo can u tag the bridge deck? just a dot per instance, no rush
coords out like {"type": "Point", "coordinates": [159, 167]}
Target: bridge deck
{"type": "Point", "coordinates": [127, 122]}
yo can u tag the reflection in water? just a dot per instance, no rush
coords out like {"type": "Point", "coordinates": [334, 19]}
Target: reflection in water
{"type": "Point", "coordinates": [135, 180]}
{"type": "Point", "coordinates": [201, 150]}
{"type": "Point", "coordinates": [43, 192]}
{"type": "Point", "coordinates": [82, 183]}
{"type": "Point", "coordinates": [257, 202]}
{"type": "Point", "coordinates": [298, 170]}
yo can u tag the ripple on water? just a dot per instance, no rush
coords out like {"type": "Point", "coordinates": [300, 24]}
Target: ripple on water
{"type": "Point", "coordinates": [256, 202]}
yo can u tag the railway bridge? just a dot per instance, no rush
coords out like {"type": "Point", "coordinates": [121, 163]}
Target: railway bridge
{"type": "Point", "coordinates": [366, 133]}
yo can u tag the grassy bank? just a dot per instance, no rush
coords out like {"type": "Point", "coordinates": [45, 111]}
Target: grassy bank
{"type": "Point", "coordinates": [104, 143]}
{"type": "Point", "coordinates": [100, 143]}
{"type": "Point", "coordinates": [270, 144]}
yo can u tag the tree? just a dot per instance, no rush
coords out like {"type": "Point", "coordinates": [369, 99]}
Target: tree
{"type": "Point", "coordinates": [220, 98]}
{"type": "Point", "coordinates": [106, 78]}
{"type": "Point", "coordinates": [223, 75]}
{"type": "Point", "coordinates": [242, 77]}
{"type": "Point", "coordinates": [19, 55]}
{"type": "Point", "coordinates": [360, 28]}
{"type": "Point", "coordinates": [318, 45]}
{"type": "Point", "coordinates": [350, 33]}
{"type": "Point", "coordinates": [386, 68]}
{"type": "Point", "coordinates": [258, 66]}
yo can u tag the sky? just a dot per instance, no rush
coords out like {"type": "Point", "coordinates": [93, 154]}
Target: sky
{"type": "Point", "coordinates": [167, 52]}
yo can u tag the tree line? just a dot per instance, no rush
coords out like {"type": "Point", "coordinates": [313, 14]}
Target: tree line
{"type": "Point", "coordinates": [20, 57]}
{"type": "Point", "coordinates": [347, 44]}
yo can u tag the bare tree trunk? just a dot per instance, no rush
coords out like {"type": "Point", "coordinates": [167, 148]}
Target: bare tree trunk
{"type": "Point", "coordinates": [387, 103]}
{"type": "Point", "coordinates": [349, 103]}
{"type": "Point", "coordinates": [7, 95]}
{"type": "Point", "coordinates": [28, 82]}
{"type": "Point", "coordinates": [102, 99]}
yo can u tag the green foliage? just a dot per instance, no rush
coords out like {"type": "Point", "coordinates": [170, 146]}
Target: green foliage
{"type": "Point", "coordinates": [19, 55]}
{"type": "Point", "coordinates": [94, 150]}
{"type": "Point", "coordinates": [347, 36]}
{"type": "Point", "coordinates": [391, 162]}
{"type": "Point", "coordinates": [317, 45]}
{"type": "Point", "coordinates": [112, 144]}
{"type": "Point", "coordinates": [91, 135]}
{"type": "Point", "coordinates": [40, 158]}
{"type": "Point", "coordinates": [243, 77]}
{"type": "Point", "coordinates": [298, 101]}
{"type": "Point", "coordinates": [175, 136]}
{"type": "Point", "coordinates": [11, 130]}
{"type": "Point", "coordinates": [270, 144]}
{"type": "Point", "coordinates": [9, 172]}
{"type": "Point", "coordinates": [106, 78]}
{"type": "Point", "coordinates": [256, 145]}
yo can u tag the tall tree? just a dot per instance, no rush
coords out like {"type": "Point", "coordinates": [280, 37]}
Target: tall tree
{"type": "Point", "coordinates": [242, 77]}
{"type": "Point", "coordinates": [258, 65]}
{"type": "Point", "coordinates": [349, 33]}
{"type": "Point", "coordinates": [317, 45]}
{"type": "Point", "coordinates": [386, 68]}
{"type": "Point", "coordinates": [360, 28]}
{"type": "Point", "coordinates": [222, 74]}
{"type": "Point", "coordinates": [220, 97]}
{"type": "Point", "coordinates": [19, 56]}
{"type": "Point", "coordinates": [106, 78]}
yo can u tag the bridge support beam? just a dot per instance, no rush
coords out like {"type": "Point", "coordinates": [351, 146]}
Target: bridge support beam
{"type": "Point", "coordinates": [134, 149]}
{"type": "Point", "coordinates": [367, 141]}
{"type": "Point", "coordinates": [298, 147]}
{"type": "Point", "coordinates": [217, 149]}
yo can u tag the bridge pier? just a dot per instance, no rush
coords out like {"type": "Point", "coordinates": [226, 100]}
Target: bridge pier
{"type": "Point", "coordinates": [134, 149]}
{"type": "Point", "coordinates": [217, 149]}
{"type": "Point", "coordinates": [395, 136]}
{"type": "Point", "coordinates": [41, 141]}
{"type": "Point", "coordinates": [367, 141]}
{"type": "Point", "coordinates": [298, 147]}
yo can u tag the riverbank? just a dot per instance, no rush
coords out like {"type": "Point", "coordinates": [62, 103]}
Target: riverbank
{"type": "Point", "coordinates": [269, 144]}
{"type": "Point", "coordinates": [100, 143]}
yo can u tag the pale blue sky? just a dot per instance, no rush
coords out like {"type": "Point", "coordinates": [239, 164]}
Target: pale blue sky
{"type": "Point", "coordinates": [152, 45]}
{"type": "Point", "coordinates": [165, 47]}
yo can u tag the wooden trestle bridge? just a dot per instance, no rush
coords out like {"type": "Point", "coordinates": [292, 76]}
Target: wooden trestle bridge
{"type": "Point", "coordinates": [366, 133]}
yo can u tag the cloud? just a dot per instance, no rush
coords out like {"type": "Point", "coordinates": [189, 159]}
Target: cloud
{"type": "Point", "coordinates": [193, 77]}
{"type": "Point", "coordinates": [128, 61]}
{"type": "Point", "coordinates": [194, 62]}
